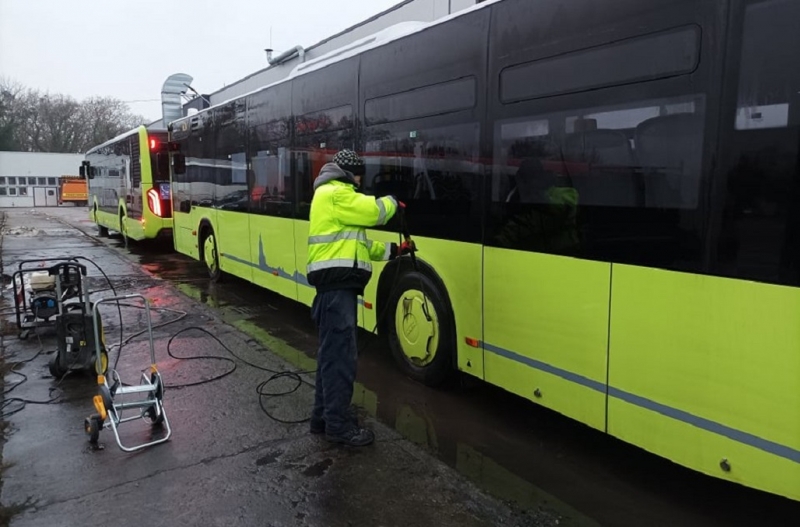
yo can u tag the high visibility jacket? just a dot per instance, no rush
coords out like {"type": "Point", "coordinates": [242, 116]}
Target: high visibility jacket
{"type": "Point", "coordinates": [339, 253]}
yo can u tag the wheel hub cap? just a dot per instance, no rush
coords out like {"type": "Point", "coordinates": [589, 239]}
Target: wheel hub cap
{"type": "Point", "coordinates": [417, 327]}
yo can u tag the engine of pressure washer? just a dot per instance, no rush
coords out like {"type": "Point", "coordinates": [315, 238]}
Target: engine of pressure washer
{"type": "Point", "coordinates": [43, 297]}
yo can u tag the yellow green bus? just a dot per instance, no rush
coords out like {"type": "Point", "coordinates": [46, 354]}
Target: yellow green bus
{"type": "Point", "coordinates": [605, 195]}
{"type": "Point", "coordinates": [129, 185]}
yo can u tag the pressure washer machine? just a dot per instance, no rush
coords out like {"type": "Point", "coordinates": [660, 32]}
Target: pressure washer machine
{"type": "Point", "coordinates": [58, 296]}
{"type": "Point", "coordinates": [150, 392]}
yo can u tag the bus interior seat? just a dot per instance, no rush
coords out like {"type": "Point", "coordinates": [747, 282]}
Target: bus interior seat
{"type": "Point", "coordinates": [670, 149]}
{"type": "Point", "coordinates": [612, 180]}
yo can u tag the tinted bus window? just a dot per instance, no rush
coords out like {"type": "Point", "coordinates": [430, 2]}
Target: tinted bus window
{"type": "Point", "coordinates": [607, 182]}
{"type": "Point", "coordinates": [230, 163]}
{"type": "Point", "coordinates": [434, 170]}
{"type": "Point", "coordinates": [318, 136]}
{"type": "Point", "coordinates": [643, 154]}
{"type": "Point", "coordinates": [633, 60]}
{"type": "Point", "coordinates": [760, 160]}
{"type": "Point", "coordinates": [427, 101]}
{"type": "Point", "coordinates": [269, 140]}
{"type": "Point", "coordinates": [769, 75]}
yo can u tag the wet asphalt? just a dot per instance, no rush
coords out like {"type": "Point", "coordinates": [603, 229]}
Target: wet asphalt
{"type": "Point", "coordinates": [467, 454]}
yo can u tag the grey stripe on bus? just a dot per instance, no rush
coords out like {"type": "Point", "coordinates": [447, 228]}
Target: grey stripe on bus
{"type": "Point", "coordinates": [739, 436]}
{"type": "Point", "coordinates": [330, 238]}
{"type": "Point", "coordinates": [339, 262]}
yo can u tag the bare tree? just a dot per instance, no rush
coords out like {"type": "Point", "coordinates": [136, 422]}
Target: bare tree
{"type": "Point", "coordinates": [11, 114]}
{"type": "Point", "coordinates": [42, 122]}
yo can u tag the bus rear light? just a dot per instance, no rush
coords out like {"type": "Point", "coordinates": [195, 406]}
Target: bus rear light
{"type": "Point", "coordinates": [154, 202]}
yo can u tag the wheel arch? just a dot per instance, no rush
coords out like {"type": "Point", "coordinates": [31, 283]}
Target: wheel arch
{"type": "Point", "coordinates": [394, 270]}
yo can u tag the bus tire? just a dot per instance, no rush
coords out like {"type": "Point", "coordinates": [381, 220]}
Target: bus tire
{"type": "Point", "coordinates": [422, 348]}
{"type": "Point", "coordinates": [210, 254]}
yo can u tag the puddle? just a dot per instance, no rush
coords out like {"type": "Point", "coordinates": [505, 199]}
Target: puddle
{"type": "Point", "coordinates": [511, 448]}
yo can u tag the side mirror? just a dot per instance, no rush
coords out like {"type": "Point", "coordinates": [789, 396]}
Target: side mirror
{"type": "Point", "coordinates": [82, 171]}
{"type": "Point", "coordinates": [92, 172]}
{"type": "Point", "coordinates": [179, 163]}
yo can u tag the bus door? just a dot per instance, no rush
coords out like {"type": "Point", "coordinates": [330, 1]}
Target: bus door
{"type": "Point", "coordinates": [756, 242]}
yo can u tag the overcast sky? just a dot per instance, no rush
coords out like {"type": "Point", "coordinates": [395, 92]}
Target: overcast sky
{"type": "Point", "coordinates": [127, 49]}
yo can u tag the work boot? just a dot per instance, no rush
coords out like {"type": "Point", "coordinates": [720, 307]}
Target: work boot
{"type": "Point", "coordinates": [318, 427]}
{"type": "Point", "coordinates": [353, 437]}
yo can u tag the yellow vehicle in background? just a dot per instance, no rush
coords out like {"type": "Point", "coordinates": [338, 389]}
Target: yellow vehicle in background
{"type": "Point", "coordinates": [73, 189]}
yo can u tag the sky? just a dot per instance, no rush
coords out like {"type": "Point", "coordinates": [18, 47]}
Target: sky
{"type": "Point", "coordinates": [126, 49]}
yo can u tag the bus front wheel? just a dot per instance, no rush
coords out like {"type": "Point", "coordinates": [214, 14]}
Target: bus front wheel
{"type": "Point", "coordinates": [421, 329]}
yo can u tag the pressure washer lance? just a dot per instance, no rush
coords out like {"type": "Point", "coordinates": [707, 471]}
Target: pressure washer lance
{"type": "Point", "coordinates": [405, 232]}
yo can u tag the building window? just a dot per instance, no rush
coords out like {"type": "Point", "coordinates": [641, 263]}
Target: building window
{"type": "Point", "coordinates": [3, 191]}
{"type": "Point", "coordinates": [51, 181]}
{"type": "Point", "coordinates": [12, 191]}
{"type": "Point", "coordinates": [31, 181]}
{"type": "Point", "coordinates": [12, 180]}
{"type": "Point", "coordinates": [2, 181]}
{"type": "Point", "coordinates": [23, 191]}
{"type": "Point", "coordinates": [51, 192]}
{"type": "Point", "coordinates": [42, 181]}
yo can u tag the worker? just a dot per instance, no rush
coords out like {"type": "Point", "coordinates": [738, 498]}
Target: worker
{"type": "Point", "coordinates": [339, 267]}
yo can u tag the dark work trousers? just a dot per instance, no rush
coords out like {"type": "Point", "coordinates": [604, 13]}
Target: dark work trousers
{"type": "Point", "coordinates": [335, 314]}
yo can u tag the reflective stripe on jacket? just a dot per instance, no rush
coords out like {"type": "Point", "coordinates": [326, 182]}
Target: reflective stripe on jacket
{"type": "Point", "coordinates": [339, 252]}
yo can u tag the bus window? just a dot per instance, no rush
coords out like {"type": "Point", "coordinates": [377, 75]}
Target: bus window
{"type": "Point", "coordinates": [435, 171]}
{"type": "Point", "coordinates": [760, 158]}
{"type": "Point", "coordinates": [769, 77]}
{"type": "Point", "coordinates": [598, 181]}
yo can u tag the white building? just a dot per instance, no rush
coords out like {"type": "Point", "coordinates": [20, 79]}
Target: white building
{"type": "Point", "coordinates": [30, 179]}
{"type": "Point", "coordinates": [284, 61]}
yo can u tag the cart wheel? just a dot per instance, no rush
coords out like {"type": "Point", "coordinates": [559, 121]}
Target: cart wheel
{"type": "Point", "coordinates": [150, 415]}
{"type": "Point", "coordinates": [92, 426]}
{"type": "Point", "coordinates": [157, 396]}
{"type": "Point", "coordinates": [56, 369]}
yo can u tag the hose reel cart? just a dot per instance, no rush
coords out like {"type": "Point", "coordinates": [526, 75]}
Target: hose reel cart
{"type": "Point", "coordinates": [149, 406]}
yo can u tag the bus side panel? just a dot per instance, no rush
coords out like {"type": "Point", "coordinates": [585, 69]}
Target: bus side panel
{"type": "Point", "coordinates": [706, 369]}
{"type": "Point", "coordinates": [305, 292]}
{"type": "Point", "coordinates": [458, 265]}
{"type": "Point", "coordinates": [186, 242]}
{"type": "Point", "coordinates": [233, 244]}
{"type": "Point", "coordinates": [546, 335]}
{"type": "Point", "coordinates": [272, 241]}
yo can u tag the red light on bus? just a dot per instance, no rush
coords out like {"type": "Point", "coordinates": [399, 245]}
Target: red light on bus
{"type": "Point", "coordinates": [154, 202]}
{"type": "Point", "coordinates": [153, 143]}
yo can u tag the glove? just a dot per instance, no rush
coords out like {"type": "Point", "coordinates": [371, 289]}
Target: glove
{"type": "Point", "coordinates": [403, 249]}
{"type": "Point", "coordinates": [399, 203]}
{"type": "Point", "coordinates": [408, 247]}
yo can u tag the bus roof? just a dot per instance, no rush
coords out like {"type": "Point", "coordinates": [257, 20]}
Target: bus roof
{"type": "Point", "coordinates": [381, 38]}
{"type": "Point", "coordinates": [120, 137]}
